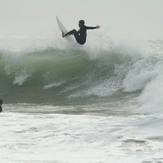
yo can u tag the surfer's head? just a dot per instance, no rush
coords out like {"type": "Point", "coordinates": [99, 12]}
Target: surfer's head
{"type": "Point", "coordinates": [81, 23]}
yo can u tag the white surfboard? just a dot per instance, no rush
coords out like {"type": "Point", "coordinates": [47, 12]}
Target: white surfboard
{"type": "Point", "coordinates": [63, 29]}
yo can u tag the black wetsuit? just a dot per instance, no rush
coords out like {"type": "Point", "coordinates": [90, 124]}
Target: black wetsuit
{"type": "Point", "coordinates": [0, 109]}
{"type": "Point", "coordinates": [81, 34]}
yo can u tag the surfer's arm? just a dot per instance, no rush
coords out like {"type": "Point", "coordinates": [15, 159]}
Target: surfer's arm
{"type": "Point", "coordinates": [98, 26]}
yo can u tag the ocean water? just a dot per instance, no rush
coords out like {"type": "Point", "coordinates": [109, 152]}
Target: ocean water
{"type": "Point", "coordinates": [97, 103]}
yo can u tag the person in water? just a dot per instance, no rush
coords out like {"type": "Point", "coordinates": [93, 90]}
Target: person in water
{"type": "Point", "coordinates": [1, 102]}
{"type": "Point", "coordinates": [81, 34]}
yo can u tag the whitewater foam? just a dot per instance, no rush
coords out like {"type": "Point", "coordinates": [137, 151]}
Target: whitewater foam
{"type": "Point", "coordinates": [152, 96]}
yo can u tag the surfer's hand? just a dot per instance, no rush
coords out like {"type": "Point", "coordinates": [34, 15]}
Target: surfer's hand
{"type": "Point", "coordinates": [98, 26]}
{"type": "Point", "coordinates": [63, 35]}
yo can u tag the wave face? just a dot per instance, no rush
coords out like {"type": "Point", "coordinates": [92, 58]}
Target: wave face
{"type": "Point", "coordinates": [59, 75]}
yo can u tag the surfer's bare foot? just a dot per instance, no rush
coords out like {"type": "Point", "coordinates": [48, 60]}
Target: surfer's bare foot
{"type": "Point", "coordinates": [63, 35]}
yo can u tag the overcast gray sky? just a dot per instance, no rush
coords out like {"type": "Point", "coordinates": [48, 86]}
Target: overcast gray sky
{"type": "Point", "coordinates": [130, 18]}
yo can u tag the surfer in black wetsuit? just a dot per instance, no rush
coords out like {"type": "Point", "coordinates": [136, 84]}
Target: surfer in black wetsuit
{"type": "Point", "coordinates": [81, 34]}
{"type": "Point", "coordinates": [1, 102]}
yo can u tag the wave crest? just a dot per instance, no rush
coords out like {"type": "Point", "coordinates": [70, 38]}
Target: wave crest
{"type": "Point", "coordinates": [58, 74]}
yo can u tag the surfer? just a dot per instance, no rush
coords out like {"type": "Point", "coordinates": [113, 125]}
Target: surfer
{"type": "Point", "coordinates": [1, 102]}
{"type": "Point", "coordinates": [81, 34]}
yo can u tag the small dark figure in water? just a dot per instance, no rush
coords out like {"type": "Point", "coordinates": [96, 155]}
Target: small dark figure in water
{"type": "Point", "coordinates": [1, 102]}
{"type": "Point", "coordinates": [81, 34]}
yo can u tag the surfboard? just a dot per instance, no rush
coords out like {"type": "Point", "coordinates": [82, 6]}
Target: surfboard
{"type": "Point", "coordinates": [63, 29]}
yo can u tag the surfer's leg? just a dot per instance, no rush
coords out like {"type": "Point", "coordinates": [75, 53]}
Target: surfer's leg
{"type": "Point", "coordinates": [76, 35]}
{"type": "Point", "coordinates": [71, 32]}
{"type": "Point", "coordinates": [78, 38]}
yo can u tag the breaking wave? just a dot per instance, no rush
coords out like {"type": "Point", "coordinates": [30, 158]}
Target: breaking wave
{"type": "Point", "coordinates": [62, 74]}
